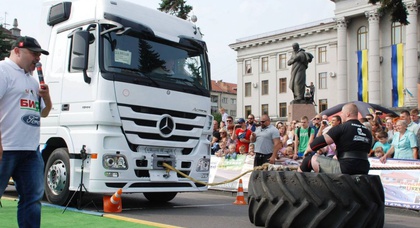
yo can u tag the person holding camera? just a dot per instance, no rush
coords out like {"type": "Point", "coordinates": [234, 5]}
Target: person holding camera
{"type": "Point", "coordinates": [241, 135]}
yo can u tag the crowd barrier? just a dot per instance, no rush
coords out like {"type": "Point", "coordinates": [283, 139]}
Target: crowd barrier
{"type": "Point", "coordinates": [400, 178]}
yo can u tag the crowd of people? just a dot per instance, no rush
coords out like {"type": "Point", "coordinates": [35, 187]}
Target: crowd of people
{"type": "Point", "coordinates": [392, 136]}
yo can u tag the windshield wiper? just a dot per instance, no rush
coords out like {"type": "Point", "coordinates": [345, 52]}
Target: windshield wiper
{"type": "Point", "coordinates": [190, 82]}
{"type": "Point", "coordinates": [136, 71]}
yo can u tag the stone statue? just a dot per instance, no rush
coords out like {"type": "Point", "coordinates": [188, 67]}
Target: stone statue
{"type": "Point", "coordinates": [299, 61]}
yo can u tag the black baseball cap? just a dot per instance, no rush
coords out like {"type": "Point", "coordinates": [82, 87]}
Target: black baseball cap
{"type": "Point", "coordinates": [30, 44]}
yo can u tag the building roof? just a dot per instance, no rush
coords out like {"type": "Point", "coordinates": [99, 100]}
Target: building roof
{"type": "Point", "coordinates": [223, 87]}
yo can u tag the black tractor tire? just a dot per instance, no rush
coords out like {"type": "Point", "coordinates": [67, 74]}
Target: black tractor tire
{"type": "Point", "coordinates": [160, 197]}
{"type": "Point", "coordinates": [57, 177]}
{"type": "Point", "coordinates": [292, 199]}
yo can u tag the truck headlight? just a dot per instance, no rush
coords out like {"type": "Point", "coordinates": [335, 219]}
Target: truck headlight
{"type": "Point", "coordinates": [203, 165]}
{"type": "Point", "coordinates": [114, 161]}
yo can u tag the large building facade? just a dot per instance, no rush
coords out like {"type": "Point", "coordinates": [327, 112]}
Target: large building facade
{"type": "Point", "coordinates": [359, 55]}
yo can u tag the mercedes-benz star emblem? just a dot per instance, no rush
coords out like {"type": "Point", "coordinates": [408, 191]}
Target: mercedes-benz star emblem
{"type": "Point", "coordinates": [166, 125]}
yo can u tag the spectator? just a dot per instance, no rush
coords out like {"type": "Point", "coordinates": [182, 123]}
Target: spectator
{"type": "Point", "coordinates": [229, 120]}
{"type": "Point", "coordinates": [404, 144]}
{"type": "Point", "coordinates": [330, 150]}
{"type": "Point", "coordinates": [216, 134]}
{"type": "Point", "coordinates": [291, 132]}
{"type": "Point", "coordinates": [369, 117]}
{"type": "Point", "coordinates": [224, 136]}
{"type": "Point", "coordinates": [251, 149]}
{"type": "Point", "coordinates": [224, 115]}
{"type": "Point", "coordinates": [242, 135]}
{"type": "Point", "coordinates": [222, 125]}
{"type": "Point", "coordinates": [414, 114]}
{"type": "Point", "coordinates": [267, 142]}
{"type": "Point", "coordinates": [311, 92]}
{"type": "Point", "coordinates": [382, 142]}
{"type": "Point", "coordinates": [230, 129]}
{"type": "Point", "coordinates": [223, 150]}
{"type": "Point", "coordinates": [303, 136]}
{"type": "Point", "coordinates": [379, 152]}
{"type": "Point", "coordinates": [316, 123]}
{"type": "Point", "coordinates": [376, 128]}
{"type": "Point", "coordinates": [250, 123]}
{"type": "Point", "coordinates": [283, 138]}
{"type": "Point", "coordinates": [308, 96]}
{"type": "Point", "coordinates": [231, 152]}
{"type": "Point", "coordinates": [389, 129]}
{"type": "Point", "coordinates": [242, 150]}
{"type": "Point", "coordinates": [411, 126]}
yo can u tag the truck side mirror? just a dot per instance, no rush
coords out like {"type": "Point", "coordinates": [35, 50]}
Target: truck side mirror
{"type": "Point", "coordinates": [80, 51]}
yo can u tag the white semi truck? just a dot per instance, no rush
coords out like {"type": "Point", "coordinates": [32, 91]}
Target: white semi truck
{"type": "Point", "coordinates": [131, 90]}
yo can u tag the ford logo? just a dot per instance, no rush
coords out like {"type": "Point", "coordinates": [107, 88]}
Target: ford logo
{"type": "Point", "coordinates": [32, 120]}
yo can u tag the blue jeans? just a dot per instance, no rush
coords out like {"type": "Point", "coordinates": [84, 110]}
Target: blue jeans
{"type": "Point", "coordinates": [27, 170]}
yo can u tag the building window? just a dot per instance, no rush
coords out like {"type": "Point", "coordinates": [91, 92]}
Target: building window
{"type": "Point", "coordinates": [248, 67]}
{"type": "Point", "coordinates": [282, 85]}
{"type": "Point", "coordinates": [283, 109]}
{"type": "Point", "coordinates": [264, 109]}
{"type": "Point", "coordinates": [224, 100]}
{"type": "Point", "coordinates": [322, 54]}
{"type": "Point", "coordinates": [264, 64]}
{"type": "Point", "coordinates": [264, 87]}
{"type": "Point", "coordinates": [247, 110]}
{"type": "Point", "coordinates": [233, 112]}
{"type": "Point", "coordinates": [322, 80]}
{"type": "Point", "coordinates": [397, 33]}
{"type": "Point", "coordinates": [362, 36]}
{"type": "Point", "coordinates": [248, 89]}
{"type": "Point", "coordinates": [323, 105]}
{"type": "Point", "coordinates": [214, 109]}
{"type": "Point", "coordinates": [214, 99]}
{"type": "Point", "coordinates": [233, 101]}
{"type": "Point", "coordinates": [282, 61]}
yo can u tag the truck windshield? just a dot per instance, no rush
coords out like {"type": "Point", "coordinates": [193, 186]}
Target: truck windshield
{"type": "Point", "coordinates": [155, 62]}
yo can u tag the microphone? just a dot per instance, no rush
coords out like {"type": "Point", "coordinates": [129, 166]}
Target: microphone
{"type": "Point", "coordinates": [38, 66]}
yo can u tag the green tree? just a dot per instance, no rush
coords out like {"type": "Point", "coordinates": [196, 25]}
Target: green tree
{"type": "Point", "coordinates": [217, 116]}
{"type": "Point", "coordinates": [396, 8]}
{"type": "Point", "coordinates": [178, 8]}
{"type": "Point", "coordinates": [4, 44]}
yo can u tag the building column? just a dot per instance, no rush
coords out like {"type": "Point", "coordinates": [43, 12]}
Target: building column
{"type": "Point", "coordinates": [342, 83]}
{"type": "Point", "coordinates": [411, 57]}
{"type": "Point", "coordinates": [374, 86]}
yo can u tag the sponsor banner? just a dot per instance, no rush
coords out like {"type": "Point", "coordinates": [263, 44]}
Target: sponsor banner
{"type": "Point", "coordinates": [222, 170]}
{"type": "Point", "coordinates": [400, 181]}
{"type": "Point", "coordinates": [401, 186]}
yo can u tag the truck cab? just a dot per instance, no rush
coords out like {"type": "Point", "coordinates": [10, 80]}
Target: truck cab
{"type": "Point", "coordinates": [130, 88]}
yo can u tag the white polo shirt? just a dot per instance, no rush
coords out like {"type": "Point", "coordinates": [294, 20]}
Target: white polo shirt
{"type": "Point", "coordinates": [19, 108]}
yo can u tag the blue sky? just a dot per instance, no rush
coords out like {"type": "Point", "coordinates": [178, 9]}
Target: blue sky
{"type": "Point", "coordinates": [221, 22]}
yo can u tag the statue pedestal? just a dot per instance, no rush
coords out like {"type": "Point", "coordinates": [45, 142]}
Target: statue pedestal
{"type": "Point", "coordinates": [296, 111]}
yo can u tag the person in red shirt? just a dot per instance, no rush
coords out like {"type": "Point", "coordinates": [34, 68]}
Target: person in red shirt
{"type": "Point", "coordinates": [242, 135]}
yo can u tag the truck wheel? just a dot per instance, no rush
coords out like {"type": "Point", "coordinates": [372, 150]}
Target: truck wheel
{"type": "Point", "coordinates": [57, 177]}
{"type": "Point", "coordinates": [160, 197]}
{"type": "Point", "coordinates": [292, 199]}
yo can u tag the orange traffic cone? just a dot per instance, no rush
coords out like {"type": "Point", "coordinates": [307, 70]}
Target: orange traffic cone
{"type": "Point", "coordinates": [240, 195]}
{"type": "Point", "coordinates": [113, 203]}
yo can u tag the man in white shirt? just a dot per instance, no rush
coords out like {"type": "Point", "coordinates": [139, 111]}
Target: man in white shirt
{"type": "Point", "coordinates": [22, 103]}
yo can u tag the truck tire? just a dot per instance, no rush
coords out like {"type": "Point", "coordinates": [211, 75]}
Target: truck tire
{"type": "Point", "coordinates": [160, 197]}
{"type": "Point", "coordinates": [57, 177]}
{"type": "Point", "coordinates": [292, 199]}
